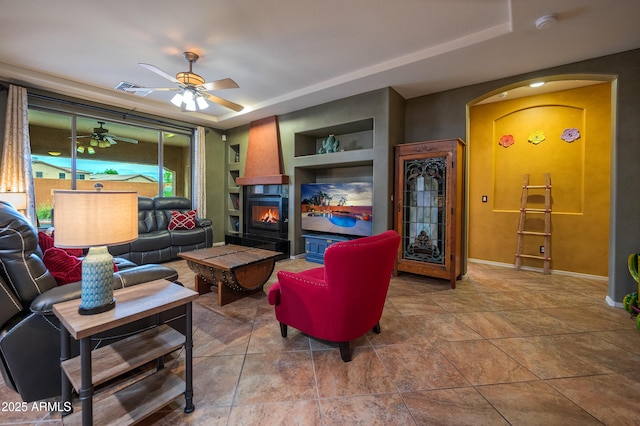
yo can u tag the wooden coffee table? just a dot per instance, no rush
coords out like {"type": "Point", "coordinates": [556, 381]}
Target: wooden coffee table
{"type": "Point", "coordinates": [235, 270]}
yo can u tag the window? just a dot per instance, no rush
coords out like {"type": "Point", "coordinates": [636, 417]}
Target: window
{"type": "Point", "coordinates": [121, 156]}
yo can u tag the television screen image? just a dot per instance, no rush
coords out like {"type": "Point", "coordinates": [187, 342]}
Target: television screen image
{"type": "Point", "coordinates": [337, 208]}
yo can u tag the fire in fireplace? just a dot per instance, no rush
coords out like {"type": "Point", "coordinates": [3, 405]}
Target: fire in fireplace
{"type": "Point", "coordinates": [268, 216]}
{"type": "Point", "coordinates": [266, 213]}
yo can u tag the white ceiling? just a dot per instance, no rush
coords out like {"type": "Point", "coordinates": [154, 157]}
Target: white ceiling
{"type": "Point", "coordinates": [291, 54]}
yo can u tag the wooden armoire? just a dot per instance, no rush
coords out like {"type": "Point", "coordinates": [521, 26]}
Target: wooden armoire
{"type": "Point", "coordinates": [429, 208]}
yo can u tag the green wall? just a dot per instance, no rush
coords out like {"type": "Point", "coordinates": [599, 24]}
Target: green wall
{"type": "Point", "coordinates": [215, 151]}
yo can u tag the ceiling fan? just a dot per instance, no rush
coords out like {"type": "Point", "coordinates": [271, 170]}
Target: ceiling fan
{"type": "Point", "coordinates": [192, 89]}
{"type": "Point", "coordinates": [101, 138]}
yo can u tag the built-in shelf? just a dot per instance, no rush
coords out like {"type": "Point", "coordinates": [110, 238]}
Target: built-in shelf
{"type": "Point", "coordinates": [353, 136]}
{"type": "Point", "coordinates": [362, 157]}
{"type": "Point", "coordinates": [233, 226]}
{"type": "Point", "coordinates": [233, 175]}
{"type": "Point", "coordinates": [234, 154]}
{"type": "Point", "coordinates": [234, 201]}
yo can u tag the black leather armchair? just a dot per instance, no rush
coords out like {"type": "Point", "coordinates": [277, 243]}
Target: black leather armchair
{"type": "Point", "coordinates": [29, 332]}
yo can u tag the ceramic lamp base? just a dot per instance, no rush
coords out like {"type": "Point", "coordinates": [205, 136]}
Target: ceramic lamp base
{"type": "Point", "coordinates": [97, 286]}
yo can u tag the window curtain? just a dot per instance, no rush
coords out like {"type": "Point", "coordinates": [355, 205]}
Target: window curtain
{"type": "Point", "coordinates": [199, 176]}
{"type": "Point", "coordinates": [15, 166]}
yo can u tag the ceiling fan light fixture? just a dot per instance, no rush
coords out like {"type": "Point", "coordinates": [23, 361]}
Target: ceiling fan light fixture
{"type": "Point", "coordinates": [189, 78]}
{"type": "Point", "coordinates": [91, 151]}
{"type": "Point", "coordinates": [177, 99]}
{"type": "Point", "coordinates": [80, 149]}
{"type": "Point", "coordinates": [190, 106]}
{"type": "Point", "coordinates": [93, 142]}
{"type": "Point", "coordinates": [202, 103]}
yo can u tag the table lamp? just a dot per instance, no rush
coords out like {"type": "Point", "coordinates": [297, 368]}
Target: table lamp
{"type": "Point", "coordinates": [95, 219]}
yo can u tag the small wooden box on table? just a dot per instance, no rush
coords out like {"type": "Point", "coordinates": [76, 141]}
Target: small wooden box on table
{"type": "Point", "coordinates": [90, 369]}
{"type": "Point", "coordinates": [235, 270]}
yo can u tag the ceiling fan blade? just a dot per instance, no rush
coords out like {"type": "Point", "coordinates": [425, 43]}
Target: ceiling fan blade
{"type": "Point", "coordinates": [151, 89]}
{"type": "Point", "coordinates": [161, 73]}
{"type": "Point", "coordinates": [123, 139]}
{"type": "Point", "coordinates": [110, 139]}
{"type": "Point", "coordinates": [223, 102]}
{"type": "Point", "coordinates": [225, 83]}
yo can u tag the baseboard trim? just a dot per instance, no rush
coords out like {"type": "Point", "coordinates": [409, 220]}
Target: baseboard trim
{"type": "Point", "coordinates": [613, 303]}
{"type": "Point", "coordinates": [529, 268]}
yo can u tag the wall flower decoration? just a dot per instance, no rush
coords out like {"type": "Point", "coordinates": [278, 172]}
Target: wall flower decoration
{"type": "Point", "coordinates": [506, 141]}
{"type": "Point", "coordinates": [537, 137]}
{"type": "Point", "coordinates": [570, 135]}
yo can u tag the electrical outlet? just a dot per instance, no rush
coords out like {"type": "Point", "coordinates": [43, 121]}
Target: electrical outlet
{"type": "Point", "coordinates": [541, 249]}
{"type": "Point", "coordinates": [484, 198]}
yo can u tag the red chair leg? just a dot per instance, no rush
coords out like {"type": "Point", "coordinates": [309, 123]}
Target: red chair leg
{"type": "Point", "coordinates": [345, 351]}
{"type": "Point", "coordinates": [283, 329]}
{"type": "Point", "coordinates": [376, 328]}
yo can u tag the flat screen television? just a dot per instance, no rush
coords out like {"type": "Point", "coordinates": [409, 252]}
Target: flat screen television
{"type": "Point", "coordinates": [337, 208]}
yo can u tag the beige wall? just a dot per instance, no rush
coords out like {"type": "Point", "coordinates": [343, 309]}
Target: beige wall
{"type": "Point", "coordinates": [579, 173]}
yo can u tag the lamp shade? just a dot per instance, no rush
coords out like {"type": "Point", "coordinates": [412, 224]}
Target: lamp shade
{"type": "Point", "coordinates": [16, 199]}
{"type": "Point", "coordinates": [94, 218]}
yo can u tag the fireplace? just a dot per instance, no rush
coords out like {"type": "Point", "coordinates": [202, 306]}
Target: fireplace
{"type": "Point", "coordinates": [265, 214]}
{"type": "Point", "coordinates": [265, 199]}
{"type": "Point", "coordinates": [266, 219]}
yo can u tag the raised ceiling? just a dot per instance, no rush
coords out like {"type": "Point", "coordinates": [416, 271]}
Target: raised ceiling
{"type": "Point", "coordinates": [291, 54]}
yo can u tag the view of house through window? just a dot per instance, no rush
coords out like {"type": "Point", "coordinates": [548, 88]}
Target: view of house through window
{"type": "Point", "coordinates": [120, 156]}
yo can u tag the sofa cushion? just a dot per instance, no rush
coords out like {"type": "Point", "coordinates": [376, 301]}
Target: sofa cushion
{"type": "Point", "coordinates": [150, 241]}
{"type": "Point", "coordinates": [165, 205]}
{"type": "Point", "coordinates": [182, 220]}
{"type": "Point", "coordinates": [146, 216]}
{"type": "Point", "coordinates": [188, 237]}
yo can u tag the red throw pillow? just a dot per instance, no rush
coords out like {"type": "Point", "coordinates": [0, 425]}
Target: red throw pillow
{"type": "Point", "coordinates": [182, 220]}
{"type": "Point", "coordinates": [46, 241]}
{"type": "Point", "coordinates": [64, 267]}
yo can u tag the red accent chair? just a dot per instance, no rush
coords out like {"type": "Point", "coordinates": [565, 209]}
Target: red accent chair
{"type": "Point", "coordinates": [342, 300]}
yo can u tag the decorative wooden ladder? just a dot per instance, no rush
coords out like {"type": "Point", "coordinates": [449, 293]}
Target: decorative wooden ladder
{"type": "Point", "coordinates": [546, 256]}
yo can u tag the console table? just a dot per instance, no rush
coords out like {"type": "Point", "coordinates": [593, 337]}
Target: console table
{"type": "Point", "coordinates": [142, 398]}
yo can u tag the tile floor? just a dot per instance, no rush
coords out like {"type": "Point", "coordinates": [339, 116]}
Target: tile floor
{"type": "Point", "coordinates": [504, 348]}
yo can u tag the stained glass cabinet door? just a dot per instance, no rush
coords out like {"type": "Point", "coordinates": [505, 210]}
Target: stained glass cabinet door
{"type": "Point", "coordinates": [429, 207]}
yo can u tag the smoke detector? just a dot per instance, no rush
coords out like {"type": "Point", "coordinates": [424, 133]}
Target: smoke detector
{"type": "Point", "coordinates": [546, 21]}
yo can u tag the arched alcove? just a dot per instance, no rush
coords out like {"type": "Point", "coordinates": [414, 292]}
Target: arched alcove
{"type": "Point", "coordinates": [580, 170]}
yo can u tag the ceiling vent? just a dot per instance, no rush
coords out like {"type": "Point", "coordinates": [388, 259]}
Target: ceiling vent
{"type": "Point", "coordinates": [123, 86]}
